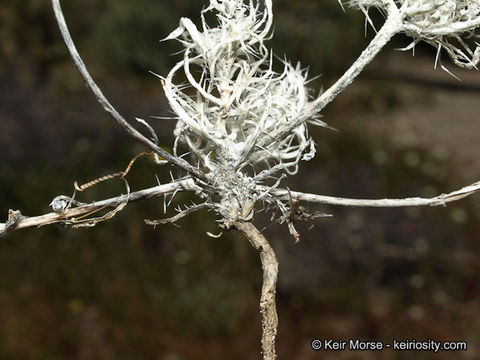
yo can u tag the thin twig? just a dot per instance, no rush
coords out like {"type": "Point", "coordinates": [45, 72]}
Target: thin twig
{"type": "Point", "coordinates": [180, 215]}
{"type": "Point", "coordinates": [392, 26]}
{"type": "Point", "coordinates": [86, 220]}
{"type": "Point", "coordinates": [106, 104]}
{"type": "Point", "coordinates": [281, 194]}
{"type": "Point", "coordinates": [267, 299]}
{"type": "Point", "coordinates": [442, 199]}
{"type": "Point", "coordinates": [121, 174]}
{"type": "Point", "coordinates": [22, 222]}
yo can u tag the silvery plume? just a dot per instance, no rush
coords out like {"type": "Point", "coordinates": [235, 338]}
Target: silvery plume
{"type": "Point", "coordinates": [237, 117]}
{"type": "Point", "coordinates": [445, 24]}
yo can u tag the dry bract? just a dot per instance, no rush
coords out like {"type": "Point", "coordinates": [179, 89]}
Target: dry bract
{"type": "Point", "coordinates": [445, 24]}
{"type": "Point", "coordinates": [236, 100]}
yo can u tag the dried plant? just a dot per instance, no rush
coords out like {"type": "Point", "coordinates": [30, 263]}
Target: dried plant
{"type": "Point", "coordinates": [242, 127]}
{"type": "Point", "coordinates": [445, 24]}
{"type": "Point", "coordinates": [235, 119]}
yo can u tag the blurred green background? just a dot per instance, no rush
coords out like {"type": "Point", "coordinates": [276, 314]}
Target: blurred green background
{"type": "Point", "coordinates": [123, 290]}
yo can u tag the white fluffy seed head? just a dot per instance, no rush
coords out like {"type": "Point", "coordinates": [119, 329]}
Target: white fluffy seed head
{"type": "Point", "coordinates": [235, 111]}
{"type": "Point", "coordinates": [242, 122]}
{"type": "Point", "coordinates": [448, 25]}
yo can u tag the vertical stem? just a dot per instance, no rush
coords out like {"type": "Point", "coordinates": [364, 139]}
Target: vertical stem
{"type": "Point", "coordinates": [267, 299]}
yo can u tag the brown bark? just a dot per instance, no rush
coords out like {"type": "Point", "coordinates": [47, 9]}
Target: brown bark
{"type": "Point", "coordinates": [267, 299]}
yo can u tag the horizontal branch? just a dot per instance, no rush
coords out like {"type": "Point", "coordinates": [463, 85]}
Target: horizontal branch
{"type": "Point", "coordinates": [442, 199]}
{"type": "Point", "coordinates": [18, 221]}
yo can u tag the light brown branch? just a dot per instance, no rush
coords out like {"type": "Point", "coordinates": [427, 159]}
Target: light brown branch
{"type": "Point", "coordinates": [17, 221]}
{"type": "Point", "coordinates": [267, 299]}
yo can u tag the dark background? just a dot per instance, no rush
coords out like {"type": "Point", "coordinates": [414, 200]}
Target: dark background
{"type": "Point", "coordinates": [123, 290]}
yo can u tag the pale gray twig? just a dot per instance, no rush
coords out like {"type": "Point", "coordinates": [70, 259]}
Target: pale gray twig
{"type": "Point", "coordinates": [177, 217]}
{"type": "Point", "coordinates": [391, 27]}
{"type": "Point", "coordinates": [106, 104]}
{"type": "Point", "coordinates": [442, 199]}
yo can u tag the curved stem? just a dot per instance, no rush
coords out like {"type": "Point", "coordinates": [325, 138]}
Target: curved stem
{"type": "Point", "coordinates": [106, 104]}
{"type": "Point", "coordinates": [267, 299]}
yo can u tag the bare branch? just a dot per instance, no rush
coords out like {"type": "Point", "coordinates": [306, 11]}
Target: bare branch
{"type": "Point", "coordinates": [181, 214]}
{"type": "Point", "coordinates": [17, 221]}
{"type": "Point", "coordinates": [120, 174]}
{"type": "Point", "coordinates": [106, 104]}
{"type": "Point", "coordinates": [267, 299]}
{"type": "Point", "coordinates": [392, 26]}
{"type": "Point", "coordinates": [442, 199]}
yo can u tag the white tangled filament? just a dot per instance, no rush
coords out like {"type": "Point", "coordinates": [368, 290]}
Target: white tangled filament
{"type": "Point", "coordinates": [235, 112]}
{"type": "Point", "coordinates": [445, 24]}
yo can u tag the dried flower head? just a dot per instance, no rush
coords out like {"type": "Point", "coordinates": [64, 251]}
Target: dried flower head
{"type": "Point", "coordinates": [236, 115]}
{"type": "Point", "coordinates": [445, 24]}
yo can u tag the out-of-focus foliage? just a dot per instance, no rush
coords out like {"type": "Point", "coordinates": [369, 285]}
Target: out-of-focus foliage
{"type": "Point", "coordinates": [127, 33]}
{"type": "Point", "coordinates": [318, 34]}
